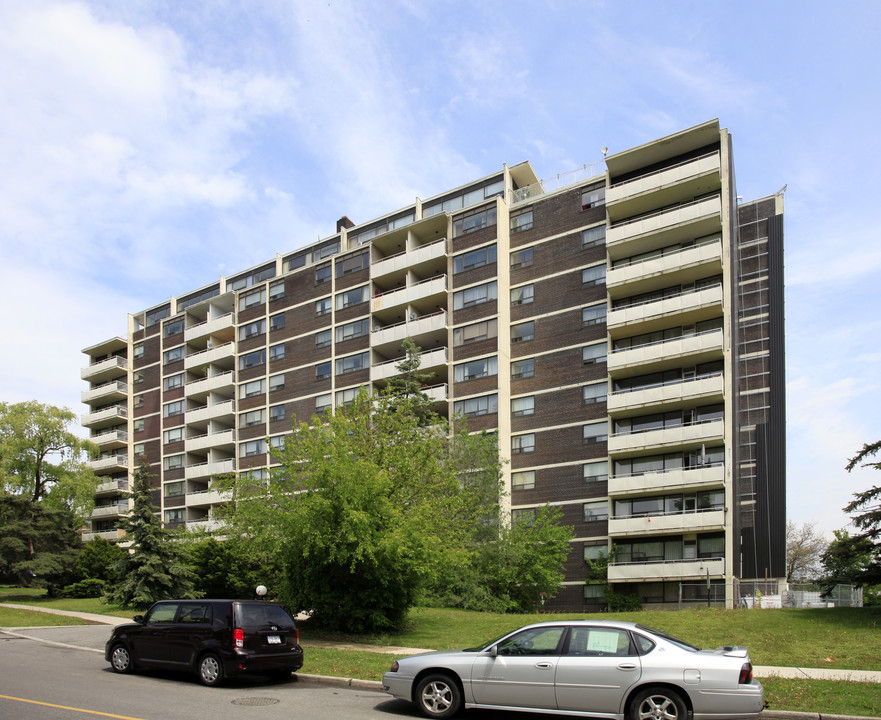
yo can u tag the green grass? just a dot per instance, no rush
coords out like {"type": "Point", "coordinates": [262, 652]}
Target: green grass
{"type": "Point", "coordinates": [10, 617]}
{"type": "Point", "coordinates": [38, 597]}
{"type": "Point", "coordinates": [831, 697]}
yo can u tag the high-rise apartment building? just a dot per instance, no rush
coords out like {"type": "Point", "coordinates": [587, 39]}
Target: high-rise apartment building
{"type": "Point", "coordinates": [621, 331]}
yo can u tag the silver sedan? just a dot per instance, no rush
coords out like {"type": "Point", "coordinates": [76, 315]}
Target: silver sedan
{"type": "Point", "coordinates": [588, 668]}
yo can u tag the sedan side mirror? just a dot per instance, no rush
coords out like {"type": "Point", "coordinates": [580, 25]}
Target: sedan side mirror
{"type": "Point", "coordinates": [494, 651]}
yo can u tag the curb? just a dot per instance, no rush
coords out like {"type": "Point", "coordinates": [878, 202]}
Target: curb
{"type": "Point", "coordinates": [794, 715]}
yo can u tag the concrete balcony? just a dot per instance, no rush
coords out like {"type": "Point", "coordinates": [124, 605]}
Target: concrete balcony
{"type": "Point", "coordinates": [210, 327]}
{"type": "Point", "coordinates": [104, 418]}
{"type": "Point", "coordinates": [205, 498]}
{"type": "Point", "coordinates": [684, 479]}
{"type": "Point", "coordinates": [689, 392]}
{"type": "Point", "coordinates": [664, 227]}
{"type": "Point", "coordinates": [204, 358]}
{"type": "Point", "coordinates": [403, 261]}
{"type": "Point", "coordinates": [687, 308]}
{"type": "Point", "coordinates": [112, 367]}
{"type": "Point", "coordinates": [104, 535]}
{"type": "Point", "coordinates": [111, 487]}
{"type": "Point", "coordinates": [696, 569]}
{"type": "Point", "coordinates": [112, 463]}
{"type": "Point", "coordinates": [223, 411]}
{"type": "Point", "coordinates": [709, 520]}
{"type": "Point", "coordinates": [103, 394]}
{"type": "Point", "coordinates": [205, 470]}
{"type": "Point", "coordinates": [225, 439]}
{"type": "Point", "coordinates": [223, 383]}
{"type": "Point", "coordinates": [437, 393]}
{"type": "Point", "coordinates": [108, 511]}
{"type": "Point", "coordinates": [684, 266]}
{"type": "Point", "coordinates": [663, 187]}
{"type": "Point", "coordinates": [421, 291]}
{"type": "Point", "coordinates": [109, 440]}
{"type": "Point", "coordinates": [209, 525]}
{"type": "Point", "coordinates": [685, 436]}
{"type": "Point", "coordinates": [430, 360]}
{"type": "Point", "coordinates": [396, 334]}
{"type": "Point", "coordinates": [668, 353]}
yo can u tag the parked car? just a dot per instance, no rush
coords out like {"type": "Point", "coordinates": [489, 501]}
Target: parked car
{"type": "Point", "coordinates": [589, 668]}
{"type": "Point", "coordinates": [216, 639]}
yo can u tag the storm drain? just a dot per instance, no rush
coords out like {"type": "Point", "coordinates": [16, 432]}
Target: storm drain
{"type": "Point", "coordinates": [254, 701]}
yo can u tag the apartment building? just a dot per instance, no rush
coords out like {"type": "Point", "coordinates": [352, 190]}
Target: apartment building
{"type": "Point", "coordinates": [621, 329]}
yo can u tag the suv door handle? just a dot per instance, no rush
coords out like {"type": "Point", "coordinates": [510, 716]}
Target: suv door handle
{"type": "Point", "coordinates": [544, 665]}
{"type": "Point", "coordinates": [627, 666]}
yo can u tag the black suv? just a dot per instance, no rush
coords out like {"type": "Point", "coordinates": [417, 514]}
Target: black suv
{"type": "Point", "coordinates": [215, 639]}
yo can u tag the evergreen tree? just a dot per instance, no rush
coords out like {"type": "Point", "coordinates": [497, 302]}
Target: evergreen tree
{"type": "Point", "coordinates": [155, 568]}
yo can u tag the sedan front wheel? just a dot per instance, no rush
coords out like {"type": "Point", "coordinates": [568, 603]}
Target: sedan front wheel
{"type": "Point", "coordinates": [658, 704]}
{"type": "Point", "coordinates": [438, 697]}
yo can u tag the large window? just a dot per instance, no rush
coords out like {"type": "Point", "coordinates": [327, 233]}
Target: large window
{"type": "Point", "coordinates": [352, 363]}
{"type": "Point", "coordinates": [252, 299]}
{"type": "Point", "coordinates": [523, 331]}
{"type": "Point", "coordinates": [593, 315]}
{"type": "Point", "coordinates": [323, 370]}
{"type": "Point", "coordinates": [522, 444]}
{"type": "Point", "coordinates": [595, 275]}
{"type": "Point", "coordinates": [252, 418]}
{"type": "Point", "coordinates": [521, 221]}
{"type": "Point", "coordinates": [474, 295]}
{"type": "Point", "coordinates": [252, 389]}
{"type": "Point", "coordinates": [276, 352]}
{"type": "Point", "coordinates": [173, 355]}
{"type": "Point", "coordinates": [252, 448]}
{"type": "Point", "coordinates": [173, 435]}
{"type": "Point", "coordinates": [173, 408]}
{"type": "Point", "coordinates": [522, 258]}
{"type": "Point", "coordinates": [174, 327]}
{"type": "Point", "coordinates": [355, 296]}
{"type": "Point", "coordinates": [347, 396]}
{"type": "Point", "coordinates": [351, 264]}
{"type": "Point", "coordinates": [474, 259]}
{"type": "Point", "coordinates": [323, 306]}
{"type": "Point", "coordinates": [524, 480]}
{"type": "Point", "coordinates": [276, 291]}
{"type": "Point", "coordinates": [591, 354]}
{"type": "Point", "coordinates": [523, 406]}
{"type": "Point", "coordinates": [594, 393]}
{"type": "Point", "coordinates": [258, 327]}
{"type": "Point", "coordinates": [276, 322]}
{"type": "Point", "coordinates": [595, 432]}
{"type": "Point", "coordinates": [597, 471]}
{"type": "Point", "coordinates": [252, 359]}
{"type": "Point", "coordinates": [474, 221]}
{"type": "Point", "coordinates": [352, 330]}
{"type": "Point", "coordinates": [322, 402]}
{"type": "Point", "coordinates": [593, 198]}
{"type": "Point", "coordinates": [172, 382]}
{"type": "Point", "coordinates": [323, 338]}
{"type": "Point", "coordinates": [522, 368]}
{"type": "Point", "coordinates": [276, 413]}
{"type": "Point", "coordinates": [475, 369]}
{"type": "Point", "coordinates": [323, 274]}
{"type": "Point", "coordinates": [477, 406]}
{"type": "Point", "coordinates": [522, 295]}
{"type": "Point", "coordinates": [475, 332]}
{"type": "Point", "coordinates": [597, 510]}
{"type": "Point", "coordinates": [173, 462]}
{"type": "Point", "coordinates": [593, 237]}
{"type": "Point", "coordinates": [276, 382]}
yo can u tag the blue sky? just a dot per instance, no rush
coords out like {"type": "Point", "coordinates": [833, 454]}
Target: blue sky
{"type": "Point", "coordinates": [149, 147]}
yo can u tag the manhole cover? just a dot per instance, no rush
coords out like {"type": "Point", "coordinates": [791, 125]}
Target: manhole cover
{"type": "Point", "coordinates": [255, 701]}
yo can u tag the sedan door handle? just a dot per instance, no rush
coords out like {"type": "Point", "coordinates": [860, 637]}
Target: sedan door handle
{"type": "Point", "coordinates": [627, 666]}
{"type": "Point", "coordinates": [544, 665]}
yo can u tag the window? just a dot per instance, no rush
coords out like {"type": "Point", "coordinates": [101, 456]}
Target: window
{"type": "Point", "coordinates": [156, 315]}
{"type": "Point", "coordinates": [592, 276]}
{"type": "Point", "coordinates": [522, 369]}
{"type": "Point", "coordinates": [253, 447]}
{"type": "Point", "coordinates": [276, 352]}
{"type": "Point", "coordinates": [474, 295]}
{"type": "Point", "coordinates": [521, 221]}
{"type": "Point", "coordinates": [596, 471]}
{"type": "Point", "coordinates": [323, 307]}
{"type": "Point", "coordinates": [595, 432]}
{"type": "Point", "coordinates": [175, 489]}
{"type": "Point", "coordinates": [175, 327]}
{"type": "Point", "coordinates": [523, 515]}
{"type": "Point", "coordinates": [523, 331]}
{"type": "Point", "coordinates": [252, 359]}
{"type": "Point", "coordinates": [355, 296]}
{"type": "Point", "coordinates": [475, 369]}
{"type": "Point", "coordinates": [252, 329]}
{"type": "Point", "coordinates": [276, 442]}
{"type": "Point", "coordinates": [137, 450]}
{"type": "Point", "coordinates": [351, 264]}
{"type": "Point", "coordinates": [173, 435]}
{"type": "Point", "coordinates": [276, 382]}
{"type": "Point", "coordinates": [594, 511]}
{"type": "Point", "coordinates": [522, 295]}
{"type": "Point", "coordinates": [252, 300]}
{"type": "Point", "coordinates": [138, 351]}
{"type": "Point", "coordinates": [352, 363]}
{"type": "Point", "coordinates": [322, 274]}
{"type": "Point", "coordinates": [523, 444]}
{"type": "Point", "coordinates": [172, 382]}
{"type": "Point", "coordinates": [252, 389]}
{"type": "Point", "coordinates": [483, 330]}
{"type": "Point", "coordinates": [593, 237]}
{"type": "Point", "coordinates": [475, 221]}
{"type": "Point", "coordinates": [474, 407]}
{"type": "Point", "coordinates": [352, 330]}
{"type": "Point", "coordinates": [139, 425]}
{"type": "Point", "coordinates": [173, 355]}
{"type": "Point", "coordinates": [173, 408]}
{"type": "Point", "coordinates": [137, 377]}
{"type": "Point", "coordinates": [595, 593]}
{"type": "Point", "coordinates": [524, 480]}
{"type": "Point", "coordinates": [593, 198]}
{"type": "Point", "coordinates": [276, 291]}
{"type": "Point", "coordinates": [595, 550]}
{"type": "Point", "coordinates": [474, 259]}
{"type": "Point", "coordinates": [323, 370]}
{"type": "Point", "coordinates": [591, 354]}
{"type": "Point", "coordinates": [345, 397]}
{"type": "Point", "coordinates": [593, 315]}
{"type": "Point", "coordinates": [594, 393]}
{"type": "Point", "coordinates": [173, 462]}
{"type": "Point", "coordinates": [521, 258]}
{"type": "Point", "coordinates": [276, 413]}
{"type": "Point", "coordinates": [323, 338]}
{"type": "Point", "coordinates": [276, 322]}
{"type": "Point", "coordinates": [523, 406]}
{"type": "Point", "coordinates": [322, 402]}
{"type": "Point", "coordinates": [252, 418]}
{"type": "Point", "coordinates": [174, 516]}
{"type": "Point", "coordinates": [139, 401]}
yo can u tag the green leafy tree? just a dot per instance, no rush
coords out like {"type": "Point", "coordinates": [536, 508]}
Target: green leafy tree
{"type": "Point", "coordinates": [155, 568]}
{"type": "Point", "coordinates": [38, 543]}
{"type": "Point", "coordinates": [42, 460]}
{"type": "Point", "coordinates": [230, 569]}
{"type": "Point", "coordinates": [98, 560]}
{"type": "Point", "coordinates": [409, 384]}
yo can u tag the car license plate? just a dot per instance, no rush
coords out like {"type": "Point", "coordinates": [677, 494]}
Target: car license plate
{"type": "Point", "coordinates": [273, 639]}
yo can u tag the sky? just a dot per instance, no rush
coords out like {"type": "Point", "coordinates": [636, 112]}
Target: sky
{"type": "Point", "coordinates": [151, 146]}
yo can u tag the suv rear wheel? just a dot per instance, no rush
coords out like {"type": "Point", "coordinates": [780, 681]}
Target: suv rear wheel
{"type": "Point", "coordinates": [210, 670]}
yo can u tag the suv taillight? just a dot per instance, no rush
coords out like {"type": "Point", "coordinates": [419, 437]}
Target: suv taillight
{"type": "Point", "coordinates": [238, 637]}
{"type": "Point", "coordinates": [297, 632]}
{"type": "Point", "coordinates": [746, 674]}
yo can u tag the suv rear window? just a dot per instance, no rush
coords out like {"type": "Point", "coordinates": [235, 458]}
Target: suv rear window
{"type": "Point", "coordinates": [260, 615]}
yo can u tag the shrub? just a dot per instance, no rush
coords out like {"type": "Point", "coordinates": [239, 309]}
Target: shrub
{"type": "Point", "coordinates": [91, 588]}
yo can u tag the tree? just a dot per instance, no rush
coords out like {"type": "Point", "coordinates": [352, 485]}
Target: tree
{"type": "Point", "coordinates": [41, 459]}
{"type": "Point", "coordinates": [98, 560]}
{"type": "Point", "coordinates": [154, 569]}
{"type": "Point", "coordinates": [866, 506]}
{"type": "Point", "coordinates": [805, 546]}
{"type": "Point", "coordinates": [229, 569]}
{"type": "Point", "coordinates": [38, 543]}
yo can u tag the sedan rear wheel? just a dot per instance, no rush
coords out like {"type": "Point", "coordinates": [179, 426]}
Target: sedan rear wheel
{"type": "Point", "coordinates": [658, 704]}
{"type": "Point", "coordinates": [438, 697]}
{"type": "Point", "coordinates": [121, 659]}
